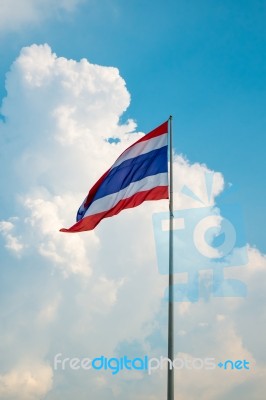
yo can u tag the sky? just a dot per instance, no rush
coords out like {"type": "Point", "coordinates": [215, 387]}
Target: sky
{"type": "Point", "coordinates": [73, 74]}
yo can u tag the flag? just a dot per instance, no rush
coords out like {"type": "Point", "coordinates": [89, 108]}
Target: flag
{"type": "Point", "coordinates": [140, 173]}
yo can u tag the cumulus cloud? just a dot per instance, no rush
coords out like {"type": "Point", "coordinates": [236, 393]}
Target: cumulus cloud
{"type": "Point", "coordinates": [26, 382]}
{"type": "Point", "coordinates": [18, 13]}
{"type": "Point", "coordinates": [98, 292]}
{"type": "Point", "coordinates": [13, 243]}
{"type": "Point", "coordinates": [63, 101]}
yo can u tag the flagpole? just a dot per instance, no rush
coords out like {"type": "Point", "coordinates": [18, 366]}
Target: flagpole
{"type": "Point", "coordinates": [170, 372]}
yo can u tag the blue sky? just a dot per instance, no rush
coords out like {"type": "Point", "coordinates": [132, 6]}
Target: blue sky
{"type": "Point", "coordinates": [100, 292]}
{"type": "Point", "coordinates": [205, 64]}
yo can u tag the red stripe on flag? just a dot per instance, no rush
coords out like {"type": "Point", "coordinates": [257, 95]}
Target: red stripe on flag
{"type": "Point", "coordinates": [90, 222]}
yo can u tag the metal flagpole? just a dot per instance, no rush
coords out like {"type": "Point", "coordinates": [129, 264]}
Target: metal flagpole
{"type": "Point", "coordinates": [170, 372]}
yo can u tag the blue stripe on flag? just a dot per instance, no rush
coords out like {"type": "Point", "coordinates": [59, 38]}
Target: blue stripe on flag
{"type": "Point", "coordinates": [132, 170]}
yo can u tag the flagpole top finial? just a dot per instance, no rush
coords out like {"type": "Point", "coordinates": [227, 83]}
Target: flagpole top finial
{"type": "Point", "coordinates": [171, 117]}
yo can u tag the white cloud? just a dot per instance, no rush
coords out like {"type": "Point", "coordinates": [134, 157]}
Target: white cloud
{"type": "Point", "coordinates": [41, 85]}
{"type": "Point", "coordinates": [16, 14]}
{"type": "Point", "coordinates": [49, 311]}
{"type": "Point", "coordinates": [26, 382]}
{"type": "Point", "coordinates": [13, 243]}
{"type": "Point", "coordinates": [98, 292]}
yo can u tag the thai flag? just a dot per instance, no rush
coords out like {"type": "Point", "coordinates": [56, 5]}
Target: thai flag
{"type": "Point", "coordinates": [140, 173]}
